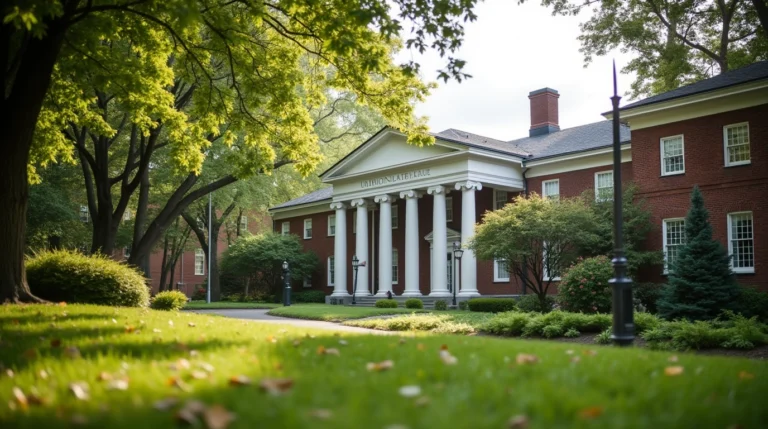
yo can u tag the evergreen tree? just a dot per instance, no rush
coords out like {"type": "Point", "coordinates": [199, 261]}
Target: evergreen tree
{"type": "Point", "coordinates": [701, 283]}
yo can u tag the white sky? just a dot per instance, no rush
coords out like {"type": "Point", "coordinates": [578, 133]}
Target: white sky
{"type": "Point", "coordinates": [511, 50]}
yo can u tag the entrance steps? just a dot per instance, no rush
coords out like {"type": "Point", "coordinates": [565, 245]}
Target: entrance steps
{"type": "Point", "coordinates": [370, 301]}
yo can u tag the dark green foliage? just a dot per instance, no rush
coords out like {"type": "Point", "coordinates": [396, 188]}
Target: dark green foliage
{"type": "Point", "coordinates": [414, 303]}
{"type": "Point", "coordinates": [572, 333]}
{"type": "Point", "coordinates": [732, 331]}
{"type": "Point", "coordinates": [532, 303]}
{"type": "Point", "coordinates": [307, 296]}
{"type": "Point", "coordinates": [646, 322]}
{"type": "Point", "coordinates": [463, 305]}
{"type": "Point", "coordinates": [169, 301]}
{"type": "Point", "coordinates": [549, 325]}
{"type": "Point", "coordinates": [584, 287]}
{"type": "Point", "coordinates": [386, 303]}
{"type": "Point", "coordinates": [75, 278]}
{"type": "Point", "coordinates": [701, 283]}
{"type": "Point", "coordinates": [752, 303]}
{"type": "Point", "coordinates": [492, 305]}
{"type": "Point", "coordinates": [441, 305]}
{"type": "Point", "coordinates": [604, 337]}
{"type": "Point", "coordinates": [200, 293]}
{"type": "Point", "coordinates": [647, 294]}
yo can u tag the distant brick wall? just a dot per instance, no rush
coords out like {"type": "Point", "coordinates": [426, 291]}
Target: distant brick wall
{"type": "Point", "coordinates": [573, 183]}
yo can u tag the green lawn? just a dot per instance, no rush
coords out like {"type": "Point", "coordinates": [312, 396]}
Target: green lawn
{"type": "Point", "coordinates": [202, 305]}
{"type": "Point", "coordinates": [335, 313]}
{"type": "Point", "coordinates": [154, 356]}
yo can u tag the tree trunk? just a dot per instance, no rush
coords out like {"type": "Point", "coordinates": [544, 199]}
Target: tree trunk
{"type": "Point", "coordinates": [173, 274]}
{"type": "Point", "coordinates": [215, 285]}
{"type": "Point", "coordinates": [163, 265]}
{"type": "Point", "coordinates": [761, 6]}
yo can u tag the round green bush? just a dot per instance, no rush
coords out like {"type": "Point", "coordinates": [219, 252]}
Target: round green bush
{"type": "Point", "coordinates": [414, 303]}
{"type": "Point", "coordinates": [492, 305]}
{"type": "Point", "coordinates": [441, 305]}
{"type": "Point", "coordinates": [463, 305]}
{"type": "Point", "coordinates": [386, 303]}
{"type": "Point", "coordinates": [584, 287]}
{"type": "Point", "coordinates": [169, 300]}
{"type": "Point", "coordinates": [76, 278]}
{"type": "Point", "coordinates": [532, 304]}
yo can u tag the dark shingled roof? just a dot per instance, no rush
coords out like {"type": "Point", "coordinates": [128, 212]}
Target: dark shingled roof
{"type": "Point", "coordinates": [753, 72]}
{"type": "Point", "coordinates": [476, 140]}
{"type": "Point", "coordinates": [571, 140]}
{"type": "Point", "coordinates": [312, 197]}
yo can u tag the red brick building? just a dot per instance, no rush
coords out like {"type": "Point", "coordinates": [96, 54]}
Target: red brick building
{"type": "Point", "coordinates": [400, 208]}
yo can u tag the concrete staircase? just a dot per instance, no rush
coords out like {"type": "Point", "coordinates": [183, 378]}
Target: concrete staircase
{"type": "Point", "coordinates": [429, 302]}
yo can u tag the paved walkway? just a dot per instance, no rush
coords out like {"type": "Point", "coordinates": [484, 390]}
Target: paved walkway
{"type": "Point", "coordinates": [263, 317]}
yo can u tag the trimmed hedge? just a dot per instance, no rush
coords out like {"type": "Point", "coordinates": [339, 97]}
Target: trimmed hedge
{"type": "Point", "coordinates": [441, 305]}
{"type": "Point", "coordinates": [169, 300]}
{"type": "Point", "coordinates": [414, 303]}
{"type": "Point", "coordinates": [386, 303]}
{"type": "Point", "coordinates": [531, 303]}
{"type": "Point", "coordinates": [76, 278]}
{"type": "Point", "coordinates": [492, 305]}
{"type": "Point", "coordinates": [308, 296]}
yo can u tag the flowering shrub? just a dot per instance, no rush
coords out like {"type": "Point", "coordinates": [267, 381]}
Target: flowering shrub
{"type": "Point", "coordinates": [200, 294]}
{"type": "Point", "coordinates": [584, 287]}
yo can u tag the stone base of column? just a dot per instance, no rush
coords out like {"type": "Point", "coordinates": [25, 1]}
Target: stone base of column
{"type": "Point", "coordinates": [362, 293]}
{"type": "Point", "coordinates": [411, 293]}
{"type": "Point", "coordinates": [441, 294]}
{"type": "Point", "coordinates": [468, 293]}
{"type": "Point", "coordinates": [383, 294]}
{"type": "Point", "coordinates": [340, 294]}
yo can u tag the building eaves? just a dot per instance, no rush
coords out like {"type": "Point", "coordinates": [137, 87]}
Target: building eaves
{"type": "Point", "coordinates": [310, 198]}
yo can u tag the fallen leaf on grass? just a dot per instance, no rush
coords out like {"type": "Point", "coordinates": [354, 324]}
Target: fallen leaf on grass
{"type": "Point", "coordinates": [447, 357]}
{"type": "Point", "coordinates": [410, 391]}
{"type": "Point", "coordinates": [276, 386]}
{"type": "Point", "coordinates": [518, 422]}
{"type": "Point", "coordinates": [198, 375]}
{"type": "Point", "coordinates": [72, 352]}
{"type": "Point", "coordinates": [80, 390]}
{"type": "Point", "coordinates": [420, 347]}
{"type": "Point", "coordinates": [421, 401]}
{"type": "Point", "coordinates": [575, 359]}
{"type": "Point", "coordinates": [156, 331]}
{"type": "Point", "coordinates": [271, 339]}
{"type": "Point", "coordinates": [165, 404]}
{"type": "Point", "coordinates": [239, 380]}
{"type": "Point", "coordinates": [121, 384]}
{"type": "Point", "coordinates": [20, 398]}
{"type": "Point", "coordinates": [296, 343]}
{"type": "Point", "coordinates": [591, 412]}
{"type": "Point", "coordinates": [217, 417]}
{"type": "Point", "coordinates": [343, 342]}
{"type": "Point", "coordinates": [526, 359]}
{"type": "Point", "coordinates": [191, 324]}
{"type": "Point", "coordinates": [114, 321]}
{"type": "Point", "coordinates": [444, 347]}
{"type": "Point", "coordinates": [321, 414]}
{"type": "Point", "coordinates": [672, 371]}
{"type": "Point", "coordinates": [672, 358]}
{"type": "Point", "coordinates": [569, 352]}
{"type": "Point", "coordinates": [744, 375]}
{"type": "Point", "coordinates": [177, 382]}
{"type": "Point", "coordinates": [43, 374]}
{"type": "Point", "coordinates": [205, 366]}
{"type": "Point", "coordinates": [170, 323]}
{"type": "Point", "coordinates": [589, 352]}
{"type": "Point", "coordinates": [30, 354]}
{"type": "Point", "coordinates": [130, 329]}
{"type": "Point", "coordinates": [380, 366]}
{"type": "Point", "coordinates": [104, 376]}
{"type": "Point", "coordinates": [55, 343]}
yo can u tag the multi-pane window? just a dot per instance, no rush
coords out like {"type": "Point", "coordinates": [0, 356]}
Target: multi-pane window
{"type": "Point", "coordinates": [307, 228]}
{"type": "Point", "coordinates": [127, 215]}
{"type": "Point", "coordinates": [243, 224]}
{"type": "Point", "coordinates": [500, 270]}
{"type": "Point", "coordinates": [395, 217]}
{"type": "Point", "coordinates": [331, 271]}
{"type": "Point", "coordinates": [199, 262]}
{"type": "Point", "coordinates": [449, 209]}
{"type": "Point", "coordinates": [736, 140]}
{"type": "Point", "coordinates": [549, 269]}
{"type": "Point", "coordinates": [499, 199]}
{"type": "Point", "coordinates": [551, 189]}
{"type": "Point", "coordinates": [395, 267]}
{"type": "Point", "coordinates": [604, 186]}
{"type": "Point", "coordinates": [741, 244]}
{"type": "Point", "coordinates": [674, 238]}
{"type": "Point", "coordinates": [672, 155]}
{"type": "Point", "coordinates": [285, 228]}
{"type": "Point", "coordinates": [331, 225]}
{"type": "Point", "coordinates": [85, 215]}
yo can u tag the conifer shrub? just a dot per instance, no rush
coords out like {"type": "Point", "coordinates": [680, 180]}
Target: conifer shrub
{"type": "Point", "coordinates": [169, 300]}
{"type": "Point", "coordinates": [701, 283]}
{"type": "Point", "coordinates": [72, 277]}
{"type": "Point", "coordinates": [492, 305]}
{"type": "Point", "coordinates": [414, 303]}
{"type": "Point", "coordinates": [386, 303]}
{"type": "Point", "coordinates": [441, 305]}
{"type": "Point", "coordinates": [584, 287]}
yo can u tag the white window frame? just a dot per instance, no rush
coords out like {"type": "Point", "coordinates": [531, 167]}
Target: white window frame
{"type": "Point", "coordinates": [127, 215]}
{"type": "Point", "coordinates": [496, 200]}
{"type": "Point", "coordinates": [307, 282]}
{"type": "Point", "coordinates": [661, 154]}
{"type": "Point", "coordinates": [285, 228]}
{"type": "Point", "coordinates": [499, 277]}
{"type": "Point", "coordinates": [85, 214]}
{"type": "Point", "coordinates": [199, 259]}
{"type": "Point", "coordinates": [395, 219]}
{"type": "Point", "coordinates": [449, 209]}
{"type": "Point", "coordinates": [331, 271]}
{"type": "Point", "coordinates": [555, 197]}
{"type": "Point", "coordinates": [664, 238]}
{"type": "Point", "coordinates": [597, 190]}
{"type": "Point", "coordinates": [243, 223]}
{"type": "Point", "coordinates": [307, 236]}
{"type": "Point", "coordinates": [741, 270]}
{"type": "Point", "coordinates": [395, 267]}
{"type": "Point", "coordinates": [725, 145]}
{"type": "Point", "coordinates": [332, 225]}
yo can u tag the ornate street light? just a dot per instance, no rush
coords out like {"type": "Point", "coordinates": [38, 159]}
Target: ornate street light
{"type": "Point", "coordinates": [355, 266]}
{"type": "Point", "coordinates": [458, 252]}
{"type": "Point", "coordinates": [287, 287]}
{"type": "Point", "coordinates": [623, 317]}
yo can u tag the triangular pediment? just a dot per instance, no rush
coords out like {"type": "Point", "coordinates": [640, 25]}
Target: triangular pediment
{"type": "Point", "coordinates": [387, 149]}
{"type": "Point", "coordinates": [451, 234]}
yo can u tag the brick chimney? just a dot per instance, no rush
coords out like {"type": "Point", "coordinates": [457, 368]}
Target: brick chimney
{"type": "Point", "coordinates": [543, 111]}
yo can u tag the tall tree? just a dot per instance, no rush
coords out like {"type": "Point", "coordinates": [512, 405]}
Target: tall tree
{"type": "Point", "coordinates": [674, 42]}
{"type": "Point", "coordinates": [226, 51]}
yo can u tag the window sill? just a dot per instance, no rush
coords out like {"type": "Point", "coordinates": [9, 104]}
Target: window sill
{"type": "Point", "coordinates": [501, 281]}
{"type": "Point", "coordinates": [677, 173]}
{"type": "Point", "coordinates": [740, 164]}
{"type": "Point", "coordinates": [746, 271]}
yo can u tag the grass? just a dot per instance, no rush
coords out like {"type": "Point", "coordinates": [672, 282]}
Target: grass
{"type": "Point", "coordinates": [336, 313]}
{"type": "Point", "coordinates": [612, 388]}
{"type": "Point", "coordinates": [202, 305]}
{"type": "Point", "coordinates": [450, 322]}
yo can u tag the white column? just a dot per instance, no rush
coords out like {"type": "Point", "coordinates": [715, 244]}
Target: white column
{"type": "Point", "coordinates": [385, 243]}
{"type": "Point", "coordinates": [340, 251]}
{"type": "Point", "coordinates": [361, 247]}
{"type": "Point", "coordinates": [439, 279]}
{"type": "Point", "coordinates": [411, 242]}
{"type": "Point", "coordinates": [468, 285]}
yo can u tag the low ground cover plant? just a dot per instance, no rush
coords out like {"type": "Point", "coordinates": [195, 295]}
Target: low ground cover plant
{"type": "Point", "coordinates": [169, 300]}
{"type": "Point", "coordinates": [414, 303]}
{"type": "Point", "coordinates": [558, 324]}
{"type": "Point", "coordinates": [386, 303]}
{"type": "Point", "coordinates": [730, 331]}
{"type": "Point", "coordinates": [492, 305]}
{"type": "Point", "coordinates": [441, 305]}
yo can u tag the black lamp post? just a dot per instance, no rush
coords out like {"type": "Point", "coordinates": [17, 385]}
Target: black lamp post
{"type": "Point", "coordinates": [458, 252]}
{"type": "Point", "coordinates": [623, 317]}
{"type": "Point", "coordinates": [287, 287]}
{"type": "Point", "coordinates": [355, 266]}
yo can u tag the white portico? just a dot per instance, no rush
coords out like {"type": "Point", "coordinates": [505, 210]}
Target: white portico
{"type": "Point", "coordinates": [386, 173]}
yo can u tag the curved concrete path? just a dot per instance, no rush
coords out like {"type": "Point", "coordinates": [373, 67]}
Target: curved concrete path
{"type": "Point", "coordinates": [262, 316]}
